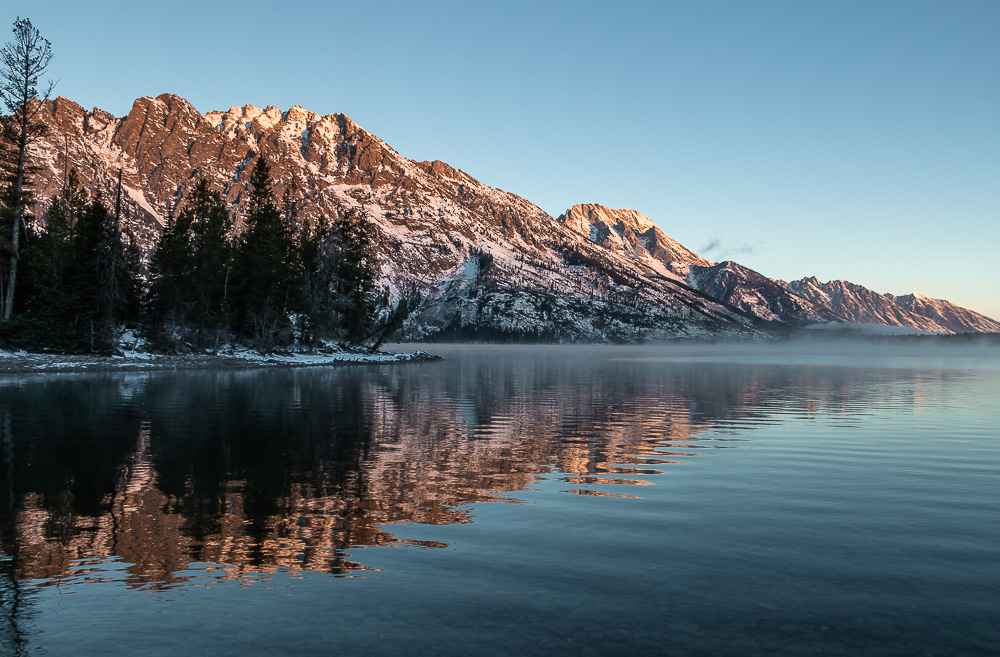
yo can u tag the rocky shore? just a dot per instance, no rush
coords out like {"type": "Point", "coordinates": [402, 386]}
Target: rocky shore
{"type": "Point", "coordinates": [132, 361]}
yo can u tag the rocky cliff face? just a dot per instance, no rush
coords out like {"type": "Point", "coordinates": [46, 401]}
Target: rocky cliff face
{"type": "Point", "coordinates": [489, 263]}
{"type": "Point", "coordinates": [633, 234]}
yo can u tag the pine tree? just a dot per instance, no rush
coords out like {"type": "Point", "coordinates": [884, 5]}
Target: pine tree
{"type": "Point", "coordinates": [319, 301]}
{"type": "Point", "coordinates": [337, 284]}
{"type": "Point", "coordinates": [213, 251]}
{"type": "Point", "coordinates": [265, 270]}
{"type": "Point", "coordinates": [43, 311]}
{"type": "Point", "coordinates": [190, 272]}
{"type": "Point", "coordinates": [315, 317]}
{"type": "Point", "coordinates": [84, 285]}
{"type": "Point", "coordinates": [355, 273]}
{"type": "Point", "coordinates": [48, 251]}
{"type": "Point", "coordinates": [168, 302]}
{"type": "Point", "coordinates": [117, 274]}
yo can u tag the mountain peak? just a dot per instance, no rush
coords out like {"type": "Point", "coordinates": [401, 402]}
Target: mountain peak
{"type": "Point", "coordinates": [593, 212]}
{"type": "Point", "coordinates": [631, 232]}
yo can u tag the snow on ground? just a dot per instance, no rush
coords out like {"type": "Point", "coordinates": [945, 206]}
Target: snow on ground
{"type": "Point", "coordinates": [238, 358]}
{"type": "Point", "coordinates": [140, 199]}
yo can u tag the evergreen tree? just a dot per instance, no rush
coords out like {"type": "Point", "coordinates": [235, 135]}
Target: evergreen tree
{"type": "Point", "coordinates": [213, 251]}
{"type": "Point", "coordinates": [44, 309]}
{"type": "Point", "coordinates": [337, 285]}
{"type": "Point", "coordinates": [313, 318]}
{"type": "Point", "coordinates": [48, 251]}
{"type": "Point", "coordinates": [170, 283]}
{"type": "Point", "coordinates": [63, 310]}
{"type": "Point", "coordinates": [319, 316]}
{"type": "Point", "coordinates": [355, 273]}
{"type": "Point", "coordinates": [265, 272]}
{"type": "Point", "coordinates": [132, 286]}
{"type": "Point", "coordinates": [190, 272]}
{"type": "Point", "coordinates": [81, 277]}
{"type": "Point", "coordinates": [86, 285]}
{"type": "Point", "coordinates": [117, 274]}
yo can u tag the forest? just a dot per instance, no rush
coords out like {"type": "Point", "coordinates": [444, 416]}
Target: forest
{"type": "Point", "coordinates": [276, 284]}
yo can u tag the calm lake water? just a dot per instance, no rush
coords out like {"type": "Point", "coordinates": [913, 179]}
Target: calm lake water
{"type": "Point", "coordinates": [509, 501]}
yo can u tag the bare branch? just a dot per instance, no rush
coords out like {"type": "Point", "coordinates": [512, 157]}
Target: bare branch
{"type": "Point", "coordinates": [24, 59]}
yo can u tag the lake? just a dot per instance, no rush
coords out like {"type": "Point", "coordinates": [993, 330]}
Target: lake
{"type": "Point", "coordinates": [543, 500]}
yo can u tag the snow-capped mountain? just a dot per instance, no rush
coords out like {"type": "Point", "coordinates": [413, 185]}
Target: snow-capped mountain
{"type": "Point", "coordinates": [946, 314]}
{"type": "Point", "coordinates": [857, 304]}
{"type": "Point", "coordinates": [489, 263]}
{"type": "Point", "coordinates": [631, 233]}
{"type": "Point", "coordinates": [746, 289]}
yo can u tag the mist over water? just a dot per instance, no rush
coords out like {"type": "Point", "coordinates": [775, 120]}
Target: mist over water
{"type": "Point", "coordinates": [712, 499]}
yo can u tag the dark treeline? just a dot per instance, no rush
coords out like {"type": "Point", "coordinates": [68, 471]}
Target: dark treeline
{"type": "Point", "coordinates": [278, 283]}
{"type": "Point", "coordinates": [78, 277]}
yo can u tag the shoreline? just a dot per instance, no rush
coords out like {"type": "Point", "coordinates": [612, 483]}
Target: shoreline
{"type": "Point", "coordinates": [133, 360]}
{"type": "Point", "coordinates": [22, 362]}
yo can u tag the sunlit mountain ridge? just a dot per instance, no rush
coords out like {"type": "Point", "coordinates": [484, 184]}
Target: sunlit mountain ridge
{"type": "Point", "coordinates": [489, 264]}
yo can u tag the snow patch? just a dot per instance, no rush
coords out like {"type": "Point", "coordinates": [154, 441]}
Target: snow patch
{"type": "Point", "coordinates": [140, 200]}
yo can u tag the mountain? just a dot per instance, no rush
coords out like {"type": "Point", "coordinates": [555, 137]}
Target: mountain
{"type": "Point", "coordinates": [755, 293]}
{"type": "Point", "coordinates": [807, 302]}
{"type": "Point", "coordinates": [857, 304]}
{"type": "Point", "coordinates": [630, 233]}
{"type": "Point", "coordinates": [946, 314]}
{"type": "Point", "coordinates": [489, 264]}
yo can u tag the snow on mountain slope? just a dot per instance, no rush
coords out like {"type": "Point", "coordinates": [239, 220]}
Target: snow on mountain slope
{"type": "Point", "coordinates": [860, 305]}
{"type": "Point", "coordinates": [954, 318]}
{"type": "Point", "coordinates": [632, 233]}
{"type": "Point", "coordinates": [750, 291]}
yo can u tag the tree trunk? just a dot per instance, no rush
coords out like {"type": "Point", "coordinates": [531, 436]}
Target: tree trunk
{"type": "Point", "coordinates": [8, 302]}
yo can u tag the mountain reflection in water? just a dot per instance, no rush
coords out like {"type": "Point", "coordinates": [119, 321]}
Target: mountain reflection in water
{"type": "Point", "coordinates": [253, 471]}
{"type": "Point", "coordinates": [618, 501]}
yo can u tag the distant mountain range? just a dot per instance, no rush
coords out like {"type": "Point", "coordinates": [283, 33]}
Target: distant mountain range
{"type": "Point", "coordinates": [489, 264]}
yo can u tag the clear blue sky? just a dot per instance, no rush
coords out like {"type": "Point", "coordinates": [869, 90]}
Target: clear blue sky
{"type": "Point", "coordinates": [841, 139]}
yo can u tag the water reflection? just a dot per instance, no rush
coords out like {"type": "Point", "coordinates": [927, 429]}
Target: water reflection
{"type": "Point", "coordinates": [134, 477]}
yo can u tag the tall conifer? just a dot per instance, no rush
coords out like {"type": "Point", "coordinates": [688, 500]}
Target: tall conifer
{"type": "Point", "coordinates": [265, 269]}
{"type": "Point", "coordinates": [190, 272]}
{"type": "Point", "coordinates": [355, 272]}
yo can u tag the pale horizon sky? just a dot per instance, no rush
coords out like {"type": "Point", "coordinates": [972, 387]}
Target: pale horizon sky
{"type": "Point", "coordinates": [851, 140]}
